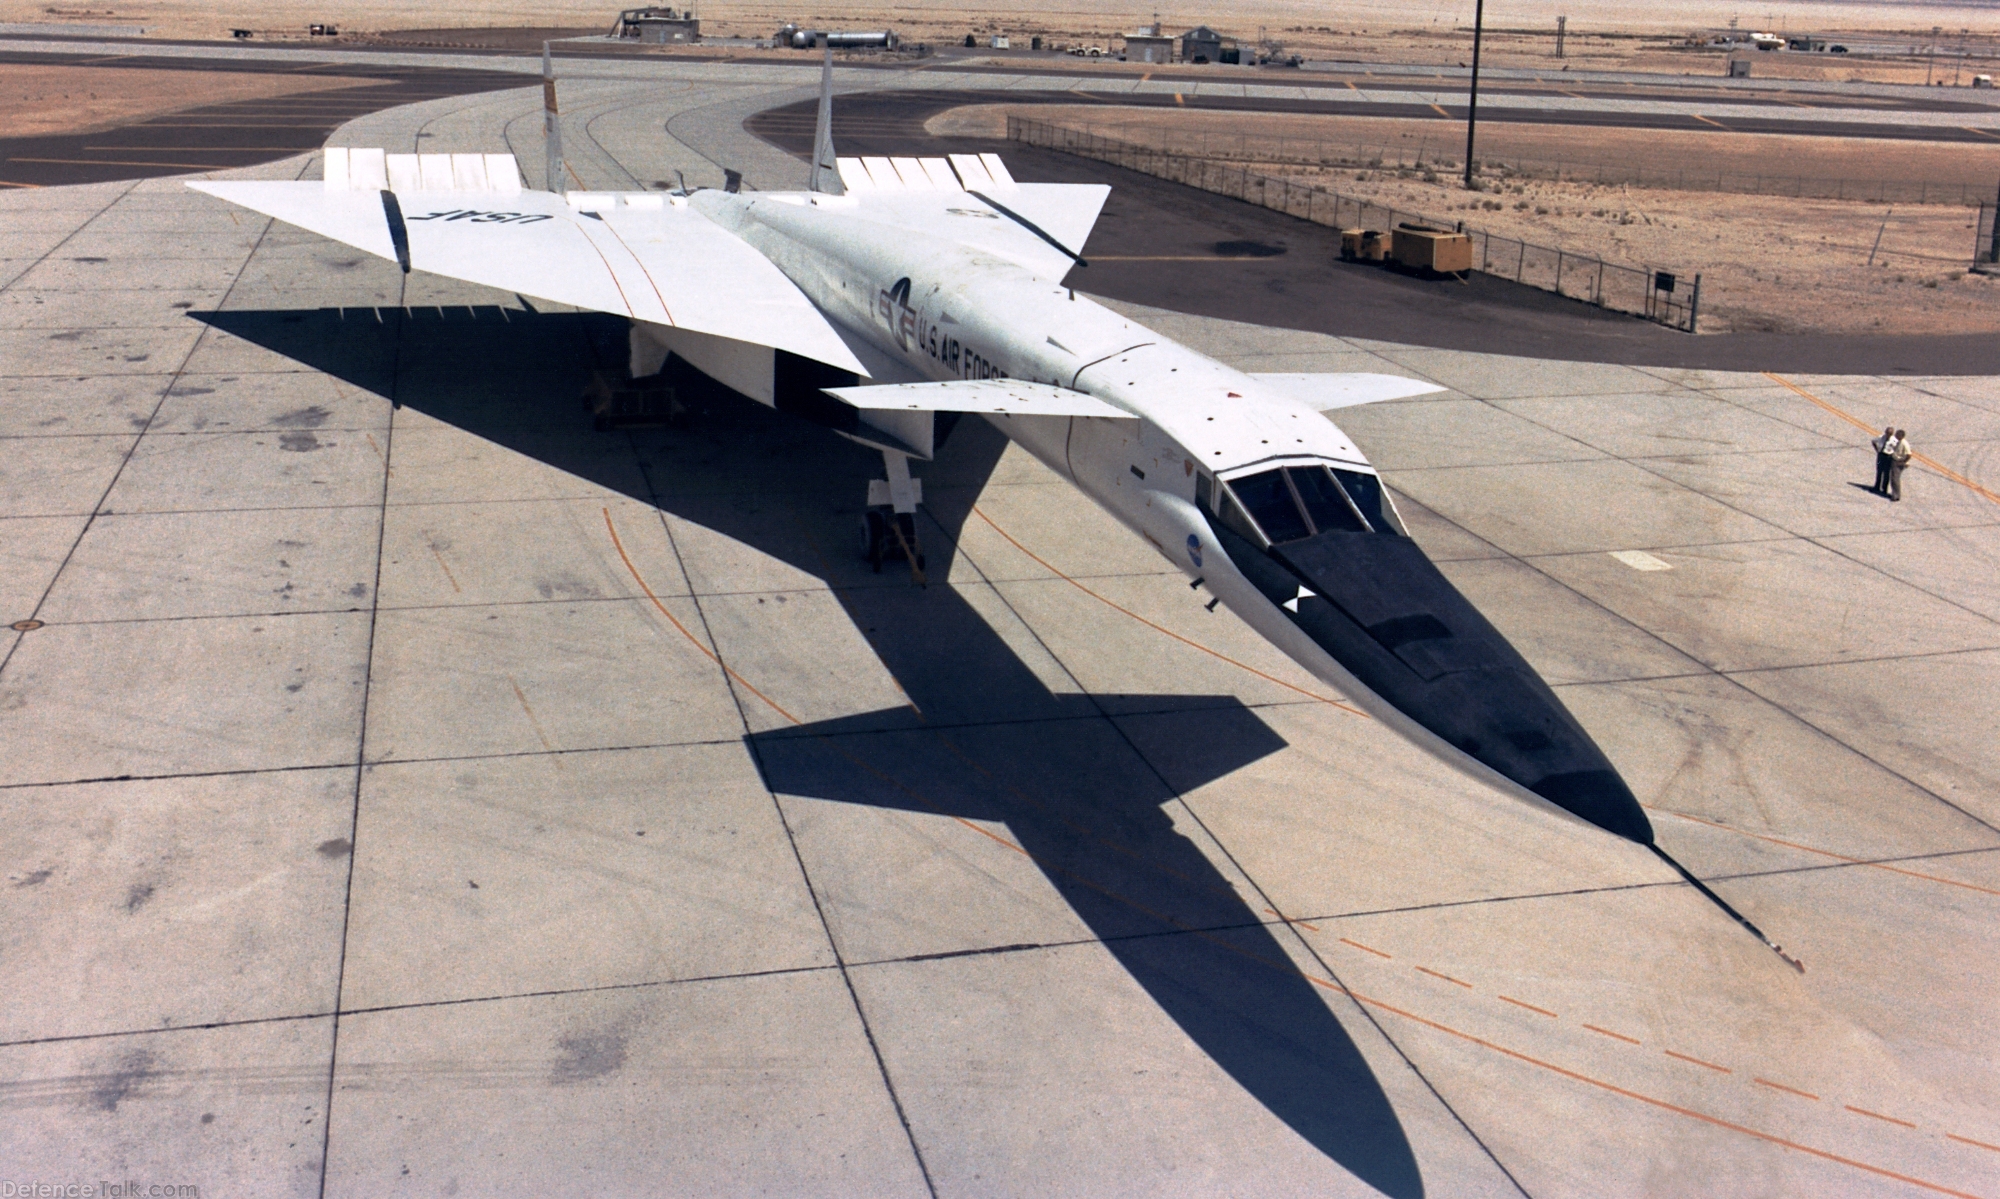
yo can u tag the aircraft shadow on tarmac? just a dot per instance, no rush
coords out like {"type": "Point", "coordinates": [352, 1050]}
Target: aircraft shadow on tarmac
{"type": "Point", "coordinates": [993, 743]}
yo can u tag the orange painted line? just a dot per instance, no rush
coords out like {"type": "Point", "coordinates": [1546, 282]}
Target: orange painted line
{"type": "Point", "coordinates": [1366, 949]}
{"type": "Point", "coordinates": [1839, 857]}
{"type": "Point", "coordinates": [453, 580]}
{"type": "Point", "coordinates": [1351, 87]}
{"type": "Point", "coordinates": [1289, 920]}
{"type": "Point", "coordinates": [1778, 1086]}
{"type": "Point", "coordinates": [675, 621]}
{"type": "Point", "coordinates": [1439, 109]}
{"type": "Point", "coordinates": [1180, 99]}
{"type": "Point", "coordinates": [1980, 132]}
{"type": "Point", "coordinates": [622, 297]}
{"type": "Point", "coordinates": [1448, 978]}
{"type": "Point", "coordinates": [1862, 1111]}
{"type": "Point", "coordinates": [640, 263]}
{"type": "Point", "coordinates": [1704, 120]}
{"type": "Point", "coordinates": [1616, 1036]}
{"type": "Point", "coordinates": [1697, 1061]}
{"type": "Point", "coordinates": [1531, 1007]}
{"type": "Point", "coordinates": [1952, 1136]}
{"type": "Point", "coordinates": [775, 707]}
{"type": "Point", "coordinates": [1315, 980]}
{"type": "Point", "coordinates": [1662, 1104]}
{"type": "Point", "coordinates": [4, 183]}
{"type": "Point", "coordinates": [1947, 472]}
{"type": "Point", "coordinates": [1044, 564]}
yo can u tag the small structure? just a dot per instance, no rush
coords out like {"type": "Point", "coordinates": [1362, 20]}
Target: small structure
{"type": "Point", "coordinates": [657, 26]}
{"type": "Point", "coordinates": [1739, 68]}
{"type": "Point", "coordinates": [793, 37]}
{"type": "Point", "coordinates": [1149, 44]}
{"type": "Point", "coordinates": [1426, 249]}
{"type": "Point", "coordinates": [1203, 45]}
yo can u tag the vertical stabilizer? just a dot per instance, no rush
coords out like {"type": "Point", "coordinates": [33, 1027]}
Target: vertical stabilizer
{"type": "Point", "coordinates": [552, 125]}
{"type": "Point", "coordinates": [826, 168]}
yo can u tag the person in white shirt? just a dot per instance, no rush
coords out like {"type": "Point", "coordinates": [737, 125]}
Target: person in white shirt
{"type": "Point", "coordinates": [1899, 457]}
{"type": "Point", "coordinates": [1885, 455]}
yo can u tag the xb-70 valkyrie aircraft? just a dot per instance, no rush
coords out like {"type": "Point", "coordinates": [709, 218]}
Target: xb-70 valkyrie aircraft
{"type": "Point", "coordinates": [896, 291]}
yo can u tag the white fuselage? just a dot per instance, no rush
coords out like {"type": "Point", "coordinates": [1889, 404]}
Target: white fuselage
{"type": "Point", "coordinates": [940, 310]}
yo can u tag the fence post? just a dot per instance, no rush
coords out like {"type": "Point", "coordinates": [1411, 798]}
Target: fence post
{"type": "Point", "coordinates": [1993, 254]}
{"type": "Point", "coordinates": [1521, 263]}
{"type": "Point", "coordinates": [1559, 272]}
{"type": "Point", "coordinates": [1694, 304]}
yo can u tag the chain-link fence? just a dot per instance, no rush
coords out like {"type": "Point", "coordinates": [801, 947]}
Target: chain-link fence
{"type": "Point", "coordinates": [1986, 236]}
{"type": "Point", "coordinates": [1671, 298]}
{"type": "Point", "coordinates": [1277, 150]}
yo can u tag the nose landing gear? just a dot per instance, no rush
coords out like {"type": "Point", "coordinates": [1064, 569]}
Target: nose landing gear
{"type": "Point", "coordinates": [889, 527]}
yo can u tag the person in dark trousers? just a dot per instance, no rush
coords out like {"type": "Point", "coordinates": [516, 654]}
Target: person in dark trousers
{"type": "Point", "coordinates": [1899, 457]}
{"type": "Point", "coordinates": [1885, 454]}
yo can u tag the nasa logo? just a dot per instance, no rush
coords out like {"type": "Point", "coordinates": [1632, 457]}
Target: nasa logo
{"type": "Point", "coordinates": [1194, 550]}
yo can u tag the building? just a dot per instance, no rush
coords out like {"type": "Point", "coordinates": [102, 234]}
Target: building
{"type": "Point", "coordinates": [657, 26]}
{"type": "Point", "coordinates": [1148, 47]}
{"type": "Point", "coordinates": [1202, 44]}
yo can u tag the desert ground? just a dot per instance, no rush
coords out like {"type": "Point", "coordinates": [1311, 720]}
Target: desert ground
{"type": "Point", "coordinates": [1638, 36]}
{"type": "Point", "coordinates": [59, 99]}
{"type": "Point", "coordinates": [1768, 262]}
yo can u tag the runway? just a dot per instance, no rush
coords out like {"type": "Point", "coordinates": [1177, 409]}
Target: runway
{"type": "Point", "coordinates": [413, 789]}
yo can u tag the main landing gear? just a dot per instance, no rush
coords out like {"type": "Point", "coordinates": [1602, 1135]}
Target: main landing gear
{"type": "Point", "coordinates": [889, 526]}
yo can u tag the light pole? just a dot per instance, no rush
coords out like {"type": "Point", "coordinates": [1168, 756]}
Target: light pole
{"type": "Point", "coordinates": [1472, 107]}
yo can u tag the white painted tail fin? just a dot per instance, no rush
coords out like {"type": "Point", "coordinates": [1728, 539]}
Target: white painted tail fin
{"type": "Point", "coordinates": [552, 125]}
{"type": "Point", "coordinates": [826, 172]}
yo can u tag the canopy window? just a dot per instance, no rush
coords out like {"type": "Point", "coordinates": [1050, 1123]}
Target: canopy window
{"type": "Point", "coordinates": [1292, 503]}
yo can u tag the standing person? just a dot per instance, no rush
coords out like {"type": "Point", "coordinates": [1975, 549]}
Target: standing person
{"type": "Point", "coordinates": [1898, 459]}
{"type": "Point", "coordinates": [1885, 453]}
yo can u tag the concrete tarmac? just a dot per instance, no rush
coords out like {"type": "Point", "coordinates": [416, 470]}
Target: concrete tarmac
{"type": "Point", "coordinates": [412, 790]}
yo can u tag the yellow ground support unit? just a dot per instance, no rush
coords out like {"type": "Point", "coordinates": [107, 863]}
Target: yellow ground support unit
{"type": "Point", "coordinates": [1363, 245]}
{"type": "Point", "coordinates": [1423, 248]}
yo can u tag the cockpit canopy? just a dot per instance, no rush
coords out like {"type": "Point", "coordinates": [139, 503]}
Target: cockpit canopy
{"type": "Point", "coordinates": [1300, 500]}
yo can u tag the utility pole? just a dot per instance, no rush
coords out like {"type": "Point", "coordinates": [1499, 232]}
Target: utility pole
{"type": "Point", "coordinates": [1472, 107]}
{"type": "Point", "coordinates": [1935, 30]}
{"type": "Point", "coordinates": [1562, 27]}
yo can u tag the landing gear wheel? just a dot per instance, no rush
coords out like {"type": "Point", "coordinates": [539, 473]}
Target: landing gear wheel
{"type": "Point", "coordinates": [874, 538]}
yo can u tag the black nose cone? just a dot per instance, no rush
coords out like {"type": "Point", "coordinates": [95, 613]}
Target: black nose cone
{"type": "Point", "coordinates": [1383, 610]}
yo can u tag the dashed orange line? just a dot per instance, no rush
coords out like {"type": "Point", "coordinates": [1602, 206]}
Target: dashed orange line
{"type": "Point", "coordinates": [1331, 984]}
{"type": "Point", "coordinates": [1862, 1111]}
{"type": "Point", "coordinates": [1827, 853]}
{"type": "Point", "coordinates": [1531, 1007]}
{"type": "Point", "coordinates": [1650, 1101]}
{"type": "Point", "coordinates": [1778, 1086]}
{"type": "Point", "coordinates": [1616, 1036]}
{"type": "Point", "coordinates": [1448, 978]}
{"type": "Point", "coordinates": [1697, 1061]}
{"type": "Point", "coordinates": [1289, 920]}
{"type": "Point", "coordinates": [1952, 1136]}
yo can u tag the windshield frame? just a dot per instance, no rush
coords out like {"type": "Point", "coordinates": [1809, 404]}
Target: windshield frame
{"type": "Point", "coordinates": [1227, 508]}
